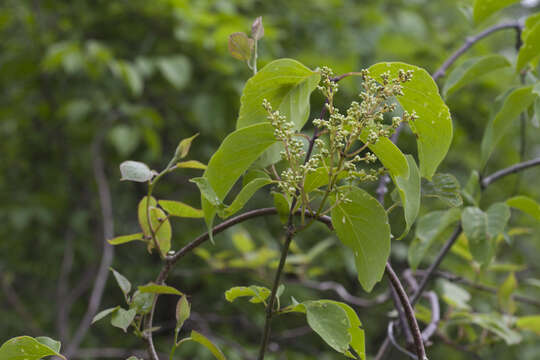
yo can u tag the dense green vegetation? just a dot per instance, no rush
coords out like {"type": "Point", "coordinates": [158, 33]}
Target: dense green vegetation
{"type": "Point", "coordinates": [88, 85]}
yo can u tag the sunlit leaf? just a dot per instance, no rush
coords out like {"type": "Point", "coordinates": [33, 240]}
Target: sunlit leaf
{"type": "Point", "coordinates": [191, 164]}
{"type": "Point", "coordinates": [159, 289]}
{"type": "Point", "coordinates": [179, 209]}
{"type": "Point", "coordinates": [504, 294]}
{"type": "Point", "coordinates": [125, 239]}
{"type": "Point", "coordinates": [531, 323]}
{"type": "Point", "coordinates": [183, 147]}
{"type": "Point", "coordinates": [482, 9]}
{"type": "Point", "coordinates": [258, 294]}
{"type": "Point", "coordinates": [530, 49]}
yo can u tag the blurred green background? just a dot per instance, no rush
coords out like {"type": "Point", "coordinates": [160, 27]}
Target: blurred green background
{"type": "Point", "coordinates": [141, 75]}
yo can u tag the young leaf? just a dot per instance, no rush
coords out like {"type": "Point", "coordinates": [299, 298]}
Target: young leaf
{"type": "Point", "coordinates": [258, 293]}
{"type": "Point", "coordinates": [531, 323]}
{"type": "Point", "coordinates": [244, 195]}
{"type": "Point", "coordinates": [525, 204]}
{"type": "Point", "coordinates": [162, 229]}
{"type": "Point", "coordinates": [179, 209]}
{"type": "Point", "coordinates": [409, 192]}
{"type": "Point", "coordinates": [26, 347]}
{"type": "Point", "coordinates": [257, 29]}
{"type": "Point", "coordinates": [123, 318]}
{"type": "Point", "coordinates": [475, 227]}
{"type": "Point", "coordinates": [444, 187]}
{"type": "Point", "coordinates": [135, 171]}
{"type": "Point", "coordinates": [504, 294]}
{"type": "Point", "coordinates": [159, 289]}
{"type": "Point", "coordinates": [515, 103]}
{"type": "Point", "coordinates": [287, 86]}
{"type": "Point", "coordinates": [183, 147]}
{"type": "Point", "coordinates": [429, 230]}
{"type": "Point", "coordinates": [530, 48]}
{"type": "Point", "coordinates": [482, 9]}
{"type": "Point", "coordinates": [362, 225]}
{"type": "Point", "coordinates": [472, 69]}
{"type": "Point", "coordinates": [434, 124]}
{"type": "Point", "coordinates": [100, 315]}
{"type": "Point", "coordinates": [183, 310]}
{"type": "Point", "coordinates": [125, 239]}
{"type": "Point", "coordinates": [241, 46]}
{"type": "Point", "coordinates": [191, 164]}
{"type": "Point", "coordinates": [201, 339]}
{"type": "Point", "coordinates": [282, 206]}
{"type": "Point", "coordinates": [122, 282]}
{"type": "Point", "coordinates": [330, 322]}
{"type": "Point", "coordinates": [141, 302]}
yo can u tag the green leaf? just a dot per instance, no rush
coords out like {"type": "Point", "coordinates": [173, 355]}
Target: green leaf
{"type": "Point", "coordinates": [123, 318]}
{"type": "Point", "coordinates": [142, 212]}
{"type": "Point", "coordinates": [482, 9]}
{"type": "Point", "coordinates": [493, 323]}
{"type": "Point", "coordinates": [28, 348]}
{"type": "Point", "coordinates": [498, 215]}
{"type": "Point", "coordinates": [207, 191]}
{"type": "Point", "coordinates": [245, 194]}
{"type": "Point", "coordinates": [237, 152]}
{"type": "Point", "coordinates": [129, 74]}
{"type": "Point", "coordinates": [51, 343]}
{"type": "Point", "coordinates": [100, 315]}
{"type": "Point", "coordinates": [330, 322]}
{"type": "Point", "coordinates": [444, 187]}
{"type": "Point", "coordinates": [191, 164]}
{"type": "Point", "coordinates": [475, 227]}
{"type": "Point", "coordinates": [183, 147]}
{"type": "Point", "coordinates": [135, 171]}
{"type": "Point", "coordinates": [282, 206]}
{"type": "Point", "coordinates": [472, 69]}
{"type": "Point", "coordinates": [122, 282]}
{"type": "Point", "coordinates": [179, 209]}
{"type": "Point", "coordinates": [525, 204]}
{"type": "Point", "coordinates": [434, 124]}
{"type": "Point", "coordinates": [516, 102]}
{"type": "Point", "coordinates": [454, 295]}
{"type": "Point", "coordinates": [201, 339]}
{"type": "Point", "coordinates": [242, 241]}
{"type": "Point", "coordinates": [176, 69]}
{"type": "Point", "coordinates": [429, 229]}
{"type": "Point", "coordinates": [531, 323]}
{"type": "Point", "coordinates": [163, 234]}
{"type": "Point", "coordinates": [142, 302]}
{"type": "Point", "coordinates": [258, 294]}
{"type": "Point", "coordinates": [355, 330]}
{"type": "Point", "coordinates": [362, 225]}
{"type": "Point", "coordinates": [241, 46]}
{"type": "Point", "coordinates": [183, 310]}
{"type": "Point", "coordinates": [390, 156]}
{"type": "Point", "coordinates": [530, 49]}
{"type": "Point", "coordinates": [159, 289]}
{"type": "Point", "coordinates": [472, 191]}
{"type": "Point", "coordinates": [287, 85]}
{"type": "Point", "coordinates": [504, 294]}
{"type": "Point", "coordinates": [125, 239]}
{"type": "Point", "coordinates": [409, 192]}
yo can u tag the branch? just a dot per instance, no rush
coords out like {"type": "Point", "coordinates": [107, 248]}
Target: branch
{"type": "Point", "coordinates": [508, 171]}
{"type": "Point", "coordinates": [344, 294]}
{"type": "Point", "coordinates": [470, 41]}
{"type": "Point", "coordinates": [108, 250]}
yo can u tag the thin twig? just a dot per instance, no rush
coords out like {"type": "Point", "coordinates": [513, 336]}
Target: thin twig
{"type": "Point", "coordinates": [508, 171]}
{"type": "Point", "coordinates": [344, 294]}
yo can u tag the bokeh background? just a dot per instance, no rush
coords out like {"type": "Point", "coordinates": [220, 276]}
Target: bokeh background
{"type": "Point", "coordinates": [85, 85]}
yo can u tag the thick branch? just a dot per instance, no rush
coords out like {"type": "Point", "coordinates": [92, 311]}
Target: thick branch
{"type": "Point", "coordinates": [508, 171]}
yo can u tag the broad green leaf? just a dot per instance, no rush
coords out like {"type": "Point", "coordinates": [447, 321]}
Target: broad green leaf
{"type": "Point", "coordinates": [282, 206]}
{"type": "Point", "coordinates": [525, 204]}
{"type": "Point", "coordinates": [51, 343]}
{"type": "Point", "coordinates": [362, 225]}
{"type": "Point", "coordinates": [531, 323]}
{"type": "Point", "coordinates": [258, 294]}
{"type": "Point", "coordinates": [245, 194]}
{"type": "Point", "coordinates": [504, 294]}
{"type": "Point", "coordinates": [409, 192]}
{"type": "Point", "coordinates": [482, 9]}
{"type": "Point", "coordinates": [162, 229]}
{"type": "Point", "coordinates": [191, 164]}
{"type": "Point", "coordinates": [179, 209]}
{"type": "Point", "coordinates": [389, 155]}
{"type": "Point", "coordinates": [142, 302]}
{"type": "Point", "coordinates": [159, 289]}
{"type": "Point", "coordinates": [286, 84]}
{"type": "Point", "coordinates": [429, 229]}
{"type": "Point", "coordinates": [26, 348]}
{"type": "Point", "coordinates": [530, 22]}
{"type": "Point", "coordinates": [516, 102]}
{"type": "Point", "coordinates": [142, 213]}
{"type": "Point", "coordinates": [125, 239]}
{"type": "Point", "coordinates": [475, 227]}
{"type": "Point", "coordinates": [252, 174]}
{"type": "Point", "coordinates": [100, 315]}
{"type": "Point", "coordinates": [434, 124]}
{"type": "Point", "coordinates": [176, 69]}
{"type": "Point", "coordinates": [183, 310]}
{"type": "Point", "coordinates": [122, 282]}
{"type": "Point", "coordinates": [530, 49]}
{"type": "Point", "coordinates": [358, 340]}
{"type": "Point", "coordinates": [123, 318]}
{"type": "Point", "coordinates": [444, 187]}
{"type": "Point", "coordinates": [472, 69]}
{"type": "Point", "coordinates": [454, 295]}
{"type": "Point", "coordinates": [135, 171]}
{"type": "Point", "coordinates": [241, 46]}
{"type": "Point", "coordinates": [201, 339]}
{"type": "Point", "coordinates": [498, 215]}
{"type": "Point", "coordinates": [183, 147]}
{"type": "Point", "coordinates": [207, 191]}
{"type": "Point", "coordinates": [330, 322]}
{"type": "Point", "coordinates": [237, 152]}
